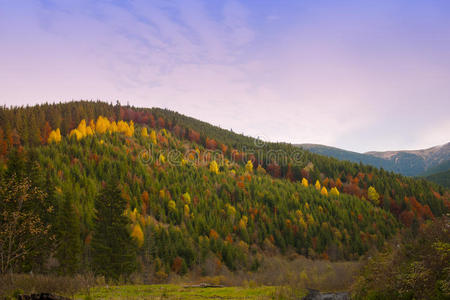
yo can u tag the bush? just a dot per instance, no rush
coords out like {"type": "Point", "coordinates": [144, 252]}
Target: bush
{"type": "Point", "coordinates": [11, 285]}
{"type": "Point", "coordinates": [414, 268]}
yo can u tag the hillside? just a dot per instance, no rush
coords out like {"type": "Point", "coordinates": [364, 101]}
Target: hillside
{"type": "Point", "coordinates": [193, 194]}
{"type": "Point", "coordinates": [441, 177]}
{"type": "Point", "coordinates": [408, 162]}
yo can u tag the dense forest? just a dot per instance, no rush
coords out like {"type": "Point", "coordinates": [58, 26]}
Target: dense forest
{"type": "Point", "coordinates": [92, 186]}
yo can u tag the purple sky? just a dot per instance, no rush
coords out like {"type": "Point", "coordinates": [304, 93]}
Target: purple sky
{"type": "Point", "coordinates": [359, 75]}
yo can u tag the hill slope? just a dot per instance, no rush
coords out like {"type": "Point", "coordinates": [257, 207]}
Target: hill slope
{"type": "Point", "coordinates": [195, 192]}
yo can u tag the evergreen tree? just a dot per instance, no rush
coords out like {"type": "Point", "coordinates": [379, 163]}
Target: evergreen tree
{"type": "Point", "coordinates": [69, 250]}
{"type": "Point", "coordinates": [113, 249]}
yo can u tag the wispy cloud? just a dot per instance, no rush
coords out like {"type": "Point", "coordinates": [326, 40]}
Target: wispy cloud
{"type": "Point", "coordinates": [346, 74]}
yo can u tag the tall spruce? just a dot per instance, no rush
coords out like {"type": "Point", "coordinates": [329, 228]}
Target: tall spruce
{"type": "Point", "coordinates": [113, 249]}
{"type": "Point", "coordinates": [68, 233]}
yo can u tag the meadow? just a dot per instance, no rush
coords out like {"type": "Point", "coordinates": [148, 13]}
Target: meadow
{"type": "Point", "coordinates": [173, 291]}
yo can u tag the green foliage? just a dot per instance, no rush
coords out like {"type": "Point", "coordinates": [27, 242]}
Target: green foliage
{"type": "Point", "coordinates": [69, 248]}
{"type": "Point", "coordinates": [417, 268]}
{"type": "Point", "coordinates": [192, 209]}
{"type": "Point", "coordinates": [113, 253]}
{"type": "Point", "coordinates": [22, 230]}
{"type": "Point", "coordinates": [442, 178]}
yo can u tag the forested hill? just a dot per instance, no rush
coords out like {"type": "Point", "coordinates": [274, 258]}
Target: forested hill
{"type": "Point", "coordinates": [191, 192]}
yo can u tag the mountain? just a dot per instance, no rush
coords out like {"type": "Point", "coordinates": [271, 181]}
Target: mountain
{"type": "Point", "coordinates": [415, 162]}
{"type": "Point", "coordinates": [194, 196]}
{"type": "Point", "coordinates": [349, 155]}
{"type": "Point", "coordinates": [407, 162]}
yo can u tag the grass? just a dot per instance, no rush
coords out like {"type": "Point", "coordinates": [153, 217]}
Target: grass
{"type": "Point", "coordinates": [172, 291]}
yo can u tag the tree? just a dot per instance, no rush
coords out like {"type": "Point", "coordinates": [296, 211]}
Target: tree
{"type": "Point", "coordinates": [68, 235]}
{"type": "Point", "coordinates": [138, 235]}
{"type": "Point", "coordinates": [144, 132]}
{"type": "Point", "coordinates": [213, 167]}
{"type": "Point", "coordinates": [304, 182]}
{"type": "Point", "coordinates": [373, 195]}
{"type": "Point", "coordinates": [21, 229]}
{"type": "Point", "coordinates": [172, 205]}
{"type": "Point", "coordinates": [153, 137]}
{"type": "Point", "coordinates": [45, 133]}
{"type": "Point", "coordinates": [249, 166]}
{"type": "Point", "coordinates": [113, 249]}
{"type": "Point", "coordinates": [416, 268]}
{"type": "Point", "coordinates": [102, 125]}
{"type": "Point", "coordinates": [76, 133]}
{"type": "Point", "coordinates": [186, 198]}
{"type": "Point", "coordinates": [334, 191]}
{"type": "Point", "coordinates": [324, 191]}
{"type": "Point", "coordinates": [54, 137]}
{"type": "Point", "coordinates": [317, 185]}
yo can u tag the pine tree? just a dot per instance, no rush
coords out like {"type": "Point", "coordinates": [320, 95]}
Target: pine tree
{"type": "Point", "coordinates": [69, 250]}
{"type": "Point", "coordinates": [113, 249]}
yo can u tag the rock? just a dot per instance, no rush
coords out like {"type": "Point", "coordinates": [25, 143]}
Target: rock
{"type": "Point", "coordinates": [41, 296]}
{"type": "Point", "coordinates": [316, 295]}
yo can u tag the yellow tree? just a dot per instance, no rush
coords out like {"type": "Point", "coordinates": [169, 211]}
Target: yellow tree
{"type": "Point", "coordinates": [373, 195]}
{"type": "Point", "coordinates": [243, 222]}
{"type": "Point", "coordinates": [138, 235]}
{"type": "Point", "coordinates": [153, 137]}
{"type": "Point", "coordinates": [305, 182]}
{"type": "Point", "coordinates": [324, 191]}
{"type": "Point", "coordinates": [54, 137]}
{"type": "Point", "coordinates": [82, 127]}
{"type": "Point", "coordinates": [76, 133]}
{"type": "Point", "coordinates": [186, 210]}
{"type": "Point", "coordinates": [231, 211]}
{"type": "Point", "coordinates": [186, 198]}
{"type": "Point", "coordinates": [89, 131]}
{"type": "Point", "coordinates": [92, 125]}
{"type": "Point", "coordinates": [172, 205]}
{"type": "Point", "coordinates": [102, 125]}
{"type": "Point", "coordinates": [213, 167]}
{"type": "Point", "coordinates": [144, 132]}
{"type": "Point", "coordinates": [124, 128]}
{"type": "Point", "coordinates": [318, 186]}
{"type": "Point", "coordinates": [113, 127]}
{"type": "Point", "coordinates": [130, 131]}
{"type": "Point", "coordinates": [334, 191]}
{"type": "Point", "coordinates": [249, 166]}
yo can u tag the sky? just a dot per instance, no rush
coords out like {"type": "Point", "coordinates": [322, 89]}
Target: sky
{"type": "Point", "coordinates": [359, 75]}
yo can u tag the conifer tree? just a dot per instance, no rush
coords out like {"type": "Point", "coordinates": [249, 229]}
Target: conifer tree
{"type": "Point", "coordinates": [113, 249]}
{"type": "Point", "coordinates": [69, 249]}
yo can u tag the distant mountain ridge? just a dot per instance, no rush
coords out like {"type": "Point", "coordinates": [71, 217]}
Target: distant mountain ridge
{"type": "Point", "coordinates": [424, 158]}
{"type": "Point", "coordinates": [406, 162]}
